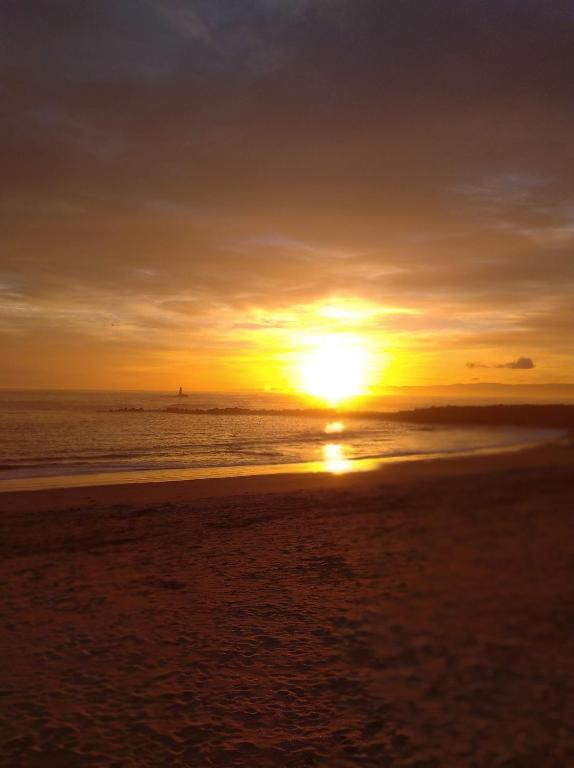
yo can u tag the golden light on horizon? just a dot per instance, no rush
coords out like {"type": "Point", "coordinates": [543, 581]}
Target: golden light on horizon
{"type": "Point", "coordinates": [334, 368]}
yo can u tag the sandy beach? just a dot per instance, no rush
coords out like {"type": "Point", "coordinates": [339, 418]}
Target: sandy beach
{"type": "Point", "coordinates": [420, 616]}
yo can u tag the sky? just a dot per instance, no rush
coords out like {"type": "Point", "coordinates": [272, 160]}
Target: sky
{"type": "Point", "coordinates": [192, 190]}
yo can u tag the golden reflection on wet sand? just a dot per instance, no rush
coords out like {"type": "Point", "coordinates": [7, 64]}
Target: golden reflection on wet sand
{"type": "Point", "coordinates": [334, 456]}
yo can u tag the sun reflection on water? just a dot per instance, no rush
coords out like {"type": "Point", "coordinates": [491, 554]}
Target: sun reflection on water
{"type": "Point", "coordinates": [335, 460]}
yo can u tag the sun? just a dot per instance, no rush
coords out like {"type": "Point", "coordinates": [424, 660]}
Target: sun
{"type": "Point", "coordinates": [334, 368]}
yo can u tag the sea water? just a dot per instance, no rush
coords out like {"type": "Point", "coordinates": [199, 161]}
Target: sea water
{"type": "Point", "coordinates": [68, 438]}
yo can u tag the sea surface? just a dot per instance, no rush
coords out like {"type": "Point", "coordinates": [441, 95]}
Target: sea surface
{"type": "Point", "coordinates": [68, 438]}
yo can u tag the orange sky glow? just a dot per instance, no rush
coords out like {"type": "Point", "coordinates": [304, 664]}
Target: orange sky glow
{"type": "Point", "coordinates": [208, 194]}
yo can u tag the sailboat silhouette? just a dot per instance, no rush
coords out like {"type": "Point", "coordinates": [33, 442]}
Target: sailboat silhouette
{"type": "Point", "coordinates": [180, 393]}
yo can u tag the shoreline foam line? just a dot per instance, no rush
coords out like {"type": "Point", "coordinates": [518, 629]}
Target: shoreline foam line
{"type": "Point", "coordinates": [351, 466]}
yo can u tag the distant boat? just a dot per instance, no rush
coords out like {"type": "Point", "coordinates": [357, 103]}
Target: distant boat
{"type": "Point", "coordinates": [180, 393]}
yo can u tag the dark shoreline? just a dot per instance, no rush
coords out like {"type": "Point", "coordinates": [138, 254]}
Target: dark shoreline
{"type": "Point", "coordinates": [559, 416]}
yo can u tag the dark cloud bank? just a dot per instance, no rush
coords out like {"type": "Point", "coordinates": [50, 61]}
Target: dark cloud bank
{"type": "Point", "coordinates": [521, 364]}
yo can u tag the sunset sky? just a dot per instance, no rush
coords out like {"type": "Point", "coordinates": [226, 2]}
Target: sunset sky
{"type": "Point", "coordinates": [192, 191]}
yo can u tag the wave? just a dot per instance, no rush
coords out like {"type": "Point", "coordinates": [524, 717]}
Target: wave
{"type": "Point", "coordinates": [69, 446]}
{"type": "Point", "coordinates": [254, 458]}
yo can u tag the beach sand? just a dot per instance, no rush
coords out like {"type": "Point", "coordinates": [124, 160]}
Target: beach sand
{"type": "Point", "coordinates": [421, 616]}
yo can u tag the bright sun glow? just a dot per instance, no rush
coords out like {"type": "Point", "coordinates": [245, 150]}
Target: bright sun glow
{"type": "Point", "coordinates": [335, 459]}
{"type": "Point", "coordinates": [334, 368]}
{"type": "Point", "coordinates": [334, 427]}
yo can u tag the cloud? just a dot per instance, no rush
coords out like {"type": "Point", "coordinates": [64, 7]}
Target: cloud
{"type": "Point", "coordinates": [185, 156]}
{"type": "Point", "coordinates": [183, 19]}
{"type": "Point", "coordinates": [521, 364]}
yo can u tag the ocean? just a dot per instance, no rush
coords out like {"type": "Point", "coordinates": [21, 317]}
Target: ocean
{"type": "Point", "coordinates": [70, 438]}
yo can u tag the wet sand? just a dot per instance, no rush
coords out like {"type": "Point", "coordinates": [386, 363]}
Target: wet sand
{"type": "Point", "coordinates": [419, 616]}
